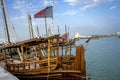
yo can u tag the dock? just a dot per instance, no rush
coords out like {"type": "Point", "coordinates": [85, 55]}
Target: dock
{"type": "Point", "coordinates": [5, 75]}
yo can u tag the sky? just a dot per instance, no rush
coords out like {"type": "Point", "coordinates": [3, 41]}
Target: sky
{"type": "Point", "coordinates": [87, 17]}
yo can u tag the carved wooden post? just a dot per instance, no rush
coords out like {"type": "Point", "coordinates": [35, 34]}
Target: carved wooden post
{"type": "Point", "coordinates": [62, 50]}
{"type": "Point", "coordinates": [80, 61]}
{"type": "Point", "coordinates": [70, 49]}
{"type": "Point", "coordinates": [83, 62]}
{"type": "Point", "coordinates": [57, 46]}
{"type": "Point", "coordinates": [22, 58]}
{"type": "Point", "coordinates": [22, 51]}
{"type": "Point", "coordinates": [49, 55]}
{"type": "Point", "coordinates": [4, 53]}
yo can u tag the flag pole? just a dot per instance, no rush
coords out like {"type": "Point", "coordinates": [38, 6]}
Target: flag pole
{"type": "Point", "coordinates": [46, 26]}
{"type": "Point", "coordinates": [38, 34]}
{"type": "Point", "coordinates": [65, 29]}
{"type": "Point", "coordinates": [30, 26]}
{"type": "Point", "coordinates": [58, 30]}
{"type": "Point", "coordinates": [68, 32]}
{"type": "Point", "coordinates": [52, 17]}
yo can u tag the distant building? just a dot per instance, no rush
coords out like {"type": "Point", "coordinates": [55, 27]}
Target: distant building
{"type": "Point", "coordinates": [118, 34]}
{"type": "Point", "coordinates": [77, 35]}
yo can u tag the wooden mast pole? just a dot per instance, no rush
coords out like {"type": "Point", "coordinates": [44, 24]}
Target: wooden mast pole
{"type": "Point", "coordinates": [58, 30]}
{"type": "Point", "coordinates": [5, 23]}
{"type": "Point", "coordinates": [30, 26]}
{"type": "Point", "coordinates": [5, 20]}
{"type": "Point", "coordinates": [65, 29]}
{"type": "Point", "coordinates": [46, 26]}
{"type": "Point", "coordinates": [38, 34]}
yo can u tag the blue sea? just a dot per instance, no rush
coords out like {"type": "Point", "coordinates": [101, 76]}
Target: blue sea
{"type": "Point", "coordinates": [103, 58]}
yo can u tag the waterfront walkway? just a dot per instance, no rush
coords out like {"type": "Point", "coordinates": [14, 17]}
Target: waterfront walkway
{"type": "Point", "coordinates": [5, 75]}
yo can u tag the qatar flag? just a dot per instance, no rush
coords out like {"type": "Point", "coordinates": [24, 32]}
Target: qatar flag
{"type": "Point", "coordinates": [64, 37]}
{"type": "Point", "coordinates": [45, 13]}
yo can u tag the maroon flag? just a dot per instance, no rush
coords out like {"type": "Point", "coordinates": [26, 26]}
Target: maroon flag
{"type": "Point", "coordinates": [64, 37]}
{"type": "Point", "coordinates": [88, 40]}
{"type": "Point", "coordinates": [45, 13]}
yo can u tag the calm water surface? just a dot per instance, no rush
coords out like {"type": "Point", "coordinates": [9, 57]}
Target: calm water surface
{"type": "Point", "coordinates": [103, 59]}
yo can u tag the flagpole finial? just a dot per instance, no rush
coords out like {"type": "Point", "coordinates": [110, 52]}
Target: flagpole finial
{"type": "Point", "coordinates": [52, 2]}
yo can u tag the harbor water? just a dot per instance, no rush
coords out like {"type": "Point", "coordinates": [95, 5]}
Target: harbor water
{"type": "Point", "coordinates": [103, 58]}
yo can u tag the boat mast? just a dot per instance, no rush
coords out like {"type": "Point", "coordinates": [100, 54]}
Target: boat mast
{"type": "Point", "coordinates": [5, 21]}
{"type": "Point", "coordinates": [65, 29]}
{"type": "Point", "coordinates": [38, 34]}
{"type": "Point", "coordinates": [30, 26]}
{"type": "Point", "coordinates": [46, 26]}
{"type": "Point", "coordinates": [58, 30]}
{"type": "Point", "coordinates": [52, 17]}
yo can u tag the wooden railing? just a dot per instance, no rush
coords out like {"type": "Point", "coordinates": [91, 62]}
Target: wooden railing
{"type": "Point", "coordinates": [79, 63]}
{"type": "Point", "coordinates": [33, 67]}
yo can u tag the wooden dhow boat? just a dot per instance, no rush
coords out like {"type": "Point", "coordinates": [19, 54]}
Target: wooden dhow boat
{"type": "Point", "coordinates": [43, 58]}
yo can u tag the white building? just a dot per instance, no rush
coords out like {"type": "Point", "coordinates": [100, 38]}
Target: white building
{"type": "Point", "coordinates": [118, 33]}
{"type": "Point", "coordinates": [77, 35]}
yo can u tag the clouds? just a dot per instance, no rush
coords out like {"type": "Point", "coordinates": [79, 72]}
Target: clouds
{"type": "Point", "coordinates": [70, 12]}
{"type": "Point", "coordinates": [20, 18]}
{"type": "Point", "coordinates": [31, 6]}
{"type": "Point", "coordinates": [18, 4]}
{"type": "Point", "coordinates": [93, 4]}
{"type": "Point", "coordinates": [24, 6]}
{"type": "Point", "coordinates": [113, 7]}
{"type": "Point", "coordinates": [72, 2]}
{"type": "Point", "coordinates": [46, 2]}
{"type": "Point", "coordinates": [86, 4]}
